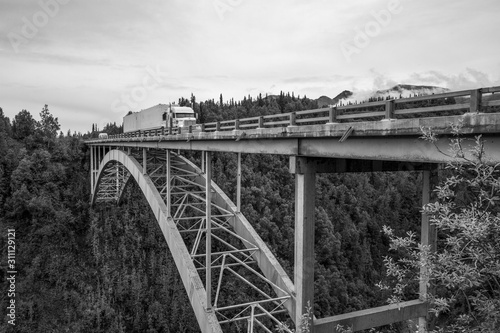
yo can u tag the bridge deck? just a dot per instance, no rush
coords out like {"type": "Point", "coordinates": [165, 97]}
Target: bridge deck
{"type": "Point", "coordinates": [392, 140]}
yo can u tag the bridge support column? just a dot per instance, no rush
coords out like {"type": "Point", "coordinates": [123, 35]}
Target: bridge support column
{"type": "Point", "coordinates": [203, 161]}
{"type": "Point", "coordinates": [144, 162]}
{"type": "Point", "coordinates": [428, 234]}
{"type": "Point", "coordinates": [305, 177]}
{"type": "Point", "coordinates": [92, 168]}
{"type": "Point", "coordinates": [167, 184]}
{"type": "Point", "coordinates": [238, 185]}
{"type": "Point", "coordinates": [98, 156]}
{"type": "Point", "coordinates": [208, 233]}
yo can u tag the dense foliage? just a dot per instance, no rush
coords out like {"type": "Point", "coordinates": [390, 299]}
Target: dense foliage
{"type": "Point", "coordinates": [463, 271]}
{"type": "Point", "coordinates": [107, 268]}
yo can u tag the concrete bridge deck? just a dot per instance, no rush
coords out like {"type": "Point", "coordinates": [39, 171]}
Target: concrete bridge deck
{"type": "Point", "coordinates": [383, 130]}
{"type": "Point", "coordinates": [391, 140]}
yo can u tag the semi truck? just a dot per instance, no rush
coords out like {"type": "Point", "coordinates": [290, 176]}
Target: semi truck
{"type": "Point", "coordinates": [158, 116]}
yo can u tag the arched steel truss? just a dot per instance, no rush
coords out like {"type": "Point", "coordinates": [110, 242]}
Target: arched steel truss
{"type": "Point", "coordinates": [224, 256]}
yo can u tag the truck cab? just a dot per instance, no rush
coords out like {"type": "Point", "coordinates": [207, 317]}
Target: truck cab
{"type": "Point", "coordinates": [179, 116]}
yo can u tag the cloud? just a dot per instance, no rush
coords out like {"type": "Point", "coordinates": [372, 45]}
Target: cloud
{"type": "Point", "coordinates": [364, 88]}
{"type": "Point", "coordinates": [469, 79]}
{"type": "Point", "coordinates": [64, 59]}
{"type": "Point", "coordinates": [381, 81]}
{"type": "Point", "coordinates": [318, 79]}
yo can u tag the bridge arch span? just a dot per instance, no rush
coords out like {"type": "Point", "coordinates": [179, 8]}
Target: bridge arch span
{"type": "Point", "coordinates": [117, 168]}
{"type": "Point", "coordinates": [192, 282]}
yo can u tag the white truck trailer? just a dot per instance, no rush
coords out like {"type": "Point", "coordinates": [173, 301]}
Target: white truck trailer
{"type": "Point", "coordinates": [158, 116]}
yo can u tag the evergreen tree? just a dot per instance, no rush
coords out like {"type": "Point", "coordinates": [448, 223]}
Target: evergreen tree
{"type": "Point", "coordinates": [23, 125]}
{"type": "Point", "coordinates": [49, 125]}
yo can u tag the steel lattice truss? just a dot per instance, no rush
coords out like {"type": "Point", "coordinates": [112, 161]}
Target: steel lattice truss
{"type": "Point", "coordinates": [114, 177]}
{"type": "Point", "coordinates": [241, 295]}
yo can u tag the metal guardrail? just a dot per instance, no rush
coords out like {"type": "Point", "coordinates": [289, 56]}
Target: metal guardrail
{"type": "Point", "coordinates": [470, 101]}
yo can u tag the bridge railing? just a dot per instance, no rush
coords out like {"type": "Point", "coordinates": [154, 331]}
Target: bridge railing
{"type": "Point", "coordinates": [450, 103]}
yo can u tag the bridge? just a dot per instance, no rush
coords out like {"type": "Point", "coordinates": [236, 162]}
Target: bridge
{"type": "Point", "coordinates": [213, 243]}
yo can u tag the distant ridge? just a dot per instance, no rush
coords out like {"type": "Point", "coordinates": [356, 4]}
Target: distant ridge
{"type": "Point", "coordinates": [398, 91]}
{"type": "Point", "coordinates": [325, 100]}
{"type": "Point", "coordinates": [405, 90]}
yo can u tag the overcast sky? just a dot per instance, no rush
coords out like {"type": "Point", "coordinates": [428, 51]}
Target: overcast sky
{"type": "Point", "coordinates": [91, 61]}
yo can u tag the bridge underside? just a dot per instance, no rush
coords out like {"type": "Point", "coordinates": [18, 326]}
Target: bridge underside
{"type": "Point", "coordinates": [401, 149]}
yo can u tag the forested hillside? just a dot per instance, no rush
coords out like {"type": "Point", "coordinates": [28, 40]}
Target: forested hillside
{"type": "Point", "coordinates": [108, 269]}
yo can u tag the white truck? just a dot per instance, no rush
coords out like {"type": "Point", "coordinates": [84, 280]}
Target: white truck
{"type": "Point", "coordinates": [158, 116]}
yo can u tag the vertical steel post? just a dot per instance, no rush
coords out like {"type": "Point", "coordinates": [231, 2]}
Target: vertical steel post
{"type": "Point", "coordinates": [238, 185]}
{"type": "Point", "coordinates": [203, 161]}
{"type": "Point", "coordinates": [208, 233]}
{"type": "Point", "coordinates": [98, 157]}
{"type": "Point", "coordinates": [92, 170]}
{"type": "Point", "coordinates": [251, 319]}
{"type": "Point", "coordinates": [144, 162]}
{"type": "Point", "coordinates": [117, 181]}
{"type": "Point", "coordinates": [168, 163]}
{"type": "Point", "coordinates": [97, 162]}
{"type": "Point", "coordinates": [428, 235]}
{"type": "Point", "coordinates": [305, 177]}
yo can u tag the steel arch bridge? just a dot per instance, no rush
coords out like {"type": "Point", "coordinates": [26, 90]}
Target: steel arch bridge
{"type": "Point", "coordinates": [212, 242]}
{"type": "Point", "coordinates": [207, 254]}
